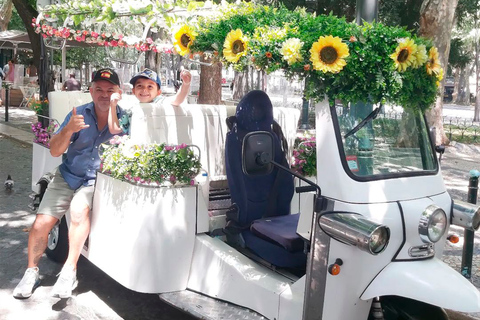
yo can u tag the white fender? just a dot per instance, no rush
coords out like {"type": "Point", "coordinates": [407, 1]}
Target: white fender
{"type": "Point", "coordinates": [430, 281]}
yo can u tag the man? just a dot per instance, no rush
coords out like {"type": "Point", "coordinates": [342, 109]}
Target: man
{"type": "Point", "coordinates": [71, 188]}
{"type": "Point", "coordinates": [72, 84]}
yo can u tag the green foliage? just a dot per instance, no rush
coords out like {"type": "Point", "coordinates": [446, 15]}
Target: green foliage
{"type": "Point", "coordinates": [460, 56]}
{"type": "Point", "coordinates": [16, 22]}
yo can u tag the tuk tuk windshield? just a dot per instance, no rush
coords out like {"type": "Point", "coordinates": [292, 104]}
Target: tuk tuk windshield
{"type": "Point", "coordinates": [379, 143]}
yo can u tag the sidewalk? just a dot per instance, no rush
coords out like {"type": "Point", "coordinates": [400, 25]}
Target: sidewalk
{"type": "Point", "coordinates": [456, 163]}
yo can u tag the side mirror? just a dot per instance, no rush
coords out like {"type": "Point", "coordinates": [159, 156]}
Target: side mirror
{"type": "Point", "coordinates": [257, 153]}
{"type": "Point", "coordinates": [440, 149]}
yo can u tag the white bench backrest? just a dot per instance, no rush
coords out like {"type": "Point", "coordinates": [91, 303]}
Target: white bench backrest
{"type": "Point", "coordinates": [200, 125]}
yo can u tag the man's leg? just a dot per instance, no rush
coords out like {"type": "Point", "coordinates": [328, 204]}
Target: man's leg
{"type": "Point", "coordinates": [55, 202]}
{"type": "Point", "coordinates": [77, 233]}
{"type": "Point", "coordinates": [79, 228]}
{"type": "Point", "coordinates": [38, 237]}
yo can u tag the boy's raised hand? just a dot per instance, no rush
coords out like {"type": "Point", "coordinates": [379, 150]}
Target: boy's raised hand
{"type": "Point", "coordinates": [114, 98]}
{"type": "Point", "coordinates": [186, 77]}
{"type": "Point", "coordinates": [77, 122]}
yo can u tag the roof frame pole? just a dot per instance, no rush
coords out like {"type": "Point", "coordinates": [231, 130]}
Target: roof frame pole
{"type": "Point", "coordinates": [64, 63]}
{"type": "Point", "coordinates": [366, 10]}
{"type": "Point", "coordinates": [43, 76]}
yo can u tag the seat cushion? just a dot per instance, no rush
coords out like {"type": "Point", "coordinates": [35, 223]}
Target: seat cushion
{"type": "Point", "coordinates": [280, 230]}
{"type": "Point", "coordinates": [273, 253]}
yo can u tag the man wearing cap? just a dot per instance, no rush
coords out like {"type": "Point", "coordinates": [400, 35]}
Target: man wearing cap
{"type": "Point", "coordinates": [71, 186]}
{"type": "Point", "coordinates": [72, 84]}
{"type": "Point", "coordinates": [147, 88]}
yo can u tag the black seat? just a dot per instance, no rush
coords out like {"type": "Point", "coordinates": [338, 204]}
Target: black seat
{"type": "Point", "coordinates": [260, 215]}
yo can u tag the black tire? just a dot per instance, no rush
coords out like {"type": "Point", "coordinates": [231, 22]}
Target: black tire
{"type": "Point", "coordinates": [400, 308]}
{"type": "Point", "coordinates": [57, 246]}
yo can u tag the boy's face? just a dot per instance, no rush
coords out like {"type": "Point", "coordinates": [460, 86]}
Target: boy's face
{"type": "Point", "coordinates": [146, 90]}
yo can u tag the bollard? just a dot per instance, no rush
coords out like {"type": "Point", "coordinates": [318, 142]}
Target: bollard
{"type": "Point", "coordinates": [469, 235]}
{"type": "Point", "coordinates": [7, 101]}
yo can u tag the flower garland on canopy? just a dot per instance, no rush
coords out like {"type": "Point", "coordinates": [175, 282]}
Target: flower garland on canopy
{"type": "Point", "coordinates": [341, 60]}
{"type": "Point", "coordinates": [372, 63]}
{"type": "Point", "coordinates": [105, 39]}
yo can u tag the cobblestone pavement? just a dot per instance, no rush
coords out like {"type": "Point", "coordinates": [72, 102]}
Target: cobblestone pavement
{"type": "Point", "coordinates": [100, 297]}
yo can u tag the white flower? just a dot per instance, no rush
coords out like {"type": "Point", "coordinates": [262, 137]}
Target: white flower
{"type": "Point", "coordinates": [291, 50]}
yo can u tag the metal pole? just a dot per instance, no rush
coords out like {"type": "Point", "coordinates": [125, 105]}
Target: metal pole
{"type": "Point", "coordinates": [305, 124]}
{"type": "Point", "coordinates": [469, 235]}
{"type": "Point", "coordinates": [7, 101]}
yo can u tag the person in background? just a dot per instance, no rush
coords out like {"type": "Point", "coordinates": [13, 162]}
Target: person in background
{"type": "Point", "coordinates": [72, 84]}
{"type": "Point", "coordinates": [32, 70]}
{"type": "Point", "coordinates": [147, 88]}
{"type": "Point", "coordinates": [71, 189]}
{"type": "Point", "coordinates": [9, 70]}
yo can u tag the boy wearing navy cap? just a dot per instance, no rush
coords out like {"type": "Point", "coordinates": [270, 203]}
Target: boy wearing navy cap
{"type": "Point", "coordinates": [147, 88]}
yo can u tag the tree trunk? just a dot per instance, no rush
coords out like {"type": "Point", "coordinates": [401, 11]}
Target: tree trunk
{"type": "Point", "coordinates": [5, 14]}
{"type": "Point", "coordinates": [436, 22]}
{"type": "Point", "coordinates": [27, 13]}
{"type": "Point", "coordinates": [210, 91]}
{"type": "Point", "coordinates": [240, 88]}
{"type": "Point", "coordinates": [476, 113]}
{"type": "Point", "coordinates": [463, 95]}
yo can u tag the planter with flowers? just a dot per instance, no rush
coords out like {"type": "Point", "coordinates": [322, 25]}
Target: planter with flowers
{"type": "Point", "coordinates": [304, 162]}
{"type": "Point", "coordinates": [41, 157]}
{"type": "Point", "coordinates": [144, 210]}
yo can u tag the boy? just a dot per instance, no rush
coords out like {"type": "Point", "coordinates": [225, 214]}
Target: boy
{"type": "Point", "coordinates": [147, 88]}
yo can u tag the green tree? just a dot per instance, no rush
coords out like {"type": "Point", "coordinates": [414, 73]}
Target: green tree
{"type": "Point", "coordinates": [468, 12]}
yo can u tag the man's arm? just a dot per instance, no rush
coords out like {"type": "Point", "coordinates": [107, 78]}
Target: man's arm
{"type": "Point", "coordinates": [113, 123]}
{"type": "Point", "coordinates": [60, 142]}
{"type": "Point", "coordinates": [186, 77]}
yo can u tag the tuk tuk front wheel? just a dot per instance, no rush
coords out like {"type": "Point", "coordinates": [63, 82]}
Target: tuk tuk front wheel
{"type": "Point", "coordinates": [400, 308]}
{"type": "Point", "coordinates": [57, 245]}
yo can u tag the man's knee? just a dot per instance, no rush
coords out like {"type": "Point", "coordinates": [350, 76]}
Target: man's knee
{"type": "Point", "coordinates": [79, 215]}
{"type": "Point", "coordinates": [43, 223]}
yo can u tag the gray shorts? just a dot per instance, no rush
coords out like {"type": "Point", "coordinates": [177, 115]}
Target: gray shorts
{"type": "Point", "coordinates": [58, 197]}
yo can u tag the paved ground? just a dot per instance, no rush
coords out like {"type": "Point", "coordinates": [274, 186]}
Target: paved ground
{"type": "Point", "coordinates": [98, 296]}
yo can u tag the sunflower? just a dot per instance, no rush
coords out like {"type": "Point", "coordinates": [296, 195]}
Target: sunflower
{"type": "Point", "coordinates": [420, 56]}
{"type": "Point", "coordinates": [235, 46]}
{"type": "Point", "coordinates": [183, 39]}
{"type": "Point", "coordinates": [291, 50]}
{"type": "Point", "coordinates": [328, 53]}
{"type": "Point", "coordinates": [433, 63]}
{"type": "Point", "coordinates": [404, 54]}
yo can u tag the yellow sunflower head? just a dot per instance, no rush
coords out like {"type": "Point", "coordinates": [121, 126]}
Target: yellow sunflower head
{"type": "Point", "coordinates": [235, 46]}
{"type": "Point", "coordinates": [183, 39]}
{"type": "Point", "coordinates": [433, 63]}
{"type": "Point", "coordinates": [420, 56]}
{"type": "Point", "coordinates": [404, 57]}
{"type": "Point", "coordinates": [328, 54]}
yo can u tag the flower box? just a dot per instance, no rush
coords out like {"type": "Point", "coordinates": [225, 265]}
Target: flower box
{"type": "Point", "coordinates": [42, 162]}
{"type": "Point", "coordinates": [141, 236]}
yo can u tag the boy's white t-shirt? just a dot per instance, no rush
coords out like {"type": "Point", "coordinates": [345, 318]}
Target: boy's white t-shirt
{"type": "Point", "coordinates": [143, 124]}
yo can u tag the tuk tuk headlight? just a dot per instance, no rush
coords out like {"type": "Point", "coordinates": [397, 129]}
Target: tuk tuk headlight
{"type": "Point", "coordinates": [433, 224]}
{"type": "Point", "coordinates": [353, 229]}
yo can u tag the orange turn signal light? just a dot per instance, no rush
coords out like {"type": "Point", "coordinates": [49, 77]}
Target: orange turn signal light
{"type": "Point", "coordinates": [453, 238]}
{"type": "Point", "coordinates": [334, 269]}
